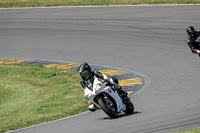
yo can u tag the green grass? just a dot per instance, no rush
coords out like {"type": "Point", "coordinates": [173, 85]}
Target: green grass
{"type": "Point", "coordinates": [46, 3]}
{"type": "Point", "coordinates": [189, 131]}
{"type": "Point", "coordinates": [33, 94]}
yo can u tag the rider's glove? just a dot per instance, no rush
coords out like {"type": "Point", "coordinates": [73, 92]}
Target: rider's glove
{"type": "Point", "coordinates": [105, 81]}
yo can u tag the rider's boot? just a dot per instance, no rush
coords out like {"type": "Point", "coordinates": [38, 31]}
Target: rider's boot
{"type": "Point", "coordinates": [194, 51]}
{"type": "Point", "coordinates": [92, 107]}
{"type": "Point", "coordinates": [123, 94]}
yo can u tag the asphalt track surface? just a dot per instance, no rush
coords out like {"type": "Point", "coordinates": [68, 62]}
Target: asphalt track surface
{"type": "Point", "coordinates": [145, 39]}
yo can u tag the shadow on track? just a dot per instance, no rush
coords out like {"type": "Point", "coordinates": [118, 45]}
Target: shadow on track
{"type": "Point", "coordinates": [120, 116]}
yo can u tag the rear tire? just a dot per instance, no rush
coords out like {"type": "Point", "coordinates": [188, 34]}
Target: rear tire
{"type": "Point", "coordinates": [104, 106]}
{"type": "Point", "coordinates": [129, 107]}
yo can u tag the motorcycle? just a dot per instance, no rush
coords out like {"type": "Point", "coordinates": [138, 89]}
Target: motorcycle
{"type": "Point", "coordinates": [196, 45]}
{"type": "Point", "coordinates": [105, 97]}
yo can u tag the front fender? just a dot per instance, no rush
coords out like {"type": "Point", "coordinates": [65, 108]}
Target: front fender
{"type": "Point", "coordinates": [106, 97]}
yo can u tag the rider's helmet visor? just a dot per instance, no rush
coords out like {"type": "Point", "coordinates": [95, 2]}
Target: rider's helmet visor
{"type": "Point", "coordinates": [84, 75]}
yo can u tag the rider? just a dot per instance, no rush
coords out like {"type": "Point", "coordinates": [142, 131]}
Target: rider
{"type": "Point", "coordinates": [87, 78]}
{"type": "Point", "coordinates": [193, 39]}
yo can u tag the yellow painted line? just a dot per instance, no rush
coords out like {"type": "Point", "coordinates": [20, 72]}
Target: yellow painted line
{"type": "Point", "coordinates": [10, 61]}
{"type": "Point", "coordinates": [130, 92]}
{"type": "Point", "coordinates": [113, 72]}
{"type": "Point", "coordinates": [5, 60]}
{"type": "Point", "coordinates": [130, 82]}
{"type": "Point", "coordinates": [70, 65]}
{"type": "Point", "coordinates": [64, 66]}
{"type": "Point", "coordinates": [17, 61]}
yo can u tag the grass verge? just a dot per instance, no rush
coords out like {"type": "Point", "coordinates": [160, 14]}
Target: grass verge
{"type": "Point", "coordinates": [33, 94]}
{"type": "Point", "coordinates": [189, 131]}
{"type": "Point", "coordinates": [46, 3]}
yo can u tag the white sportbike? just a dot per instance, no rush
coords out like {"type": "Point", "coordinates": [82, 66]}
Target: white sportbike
{"type": "Point", "coordinates": [105, 97]}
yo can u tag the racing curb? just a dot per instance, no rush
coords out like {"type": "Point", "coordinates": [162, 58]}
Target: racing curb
{"type": "Point", "coordinates": [131, 82]}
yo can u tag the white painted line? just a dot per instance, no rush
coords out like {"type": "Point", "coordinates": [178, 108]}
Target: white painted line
{"type": "Point", "coordinates": [100, 6]}
{"type": "Point", "coordinates": [48, 122]}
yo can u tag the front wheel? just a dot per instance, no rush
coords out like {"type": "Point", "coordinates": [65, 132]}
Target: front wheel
{"type": "Point", "coordinates": [109, 110]}
{"type": "Point", "coordinates": [129, 107]}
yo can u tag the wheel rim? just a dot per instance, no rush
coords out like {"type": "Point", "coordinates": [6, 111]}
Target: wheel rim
{"type": "Point", "coordinates": [112, 108]}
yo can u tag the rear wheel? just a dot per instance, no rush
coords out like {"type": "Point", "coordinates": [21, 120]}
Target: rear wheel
{"type": "Point", "coordinates": [129, 107]}
{"type": "Point", "coordinates": [107, 108]}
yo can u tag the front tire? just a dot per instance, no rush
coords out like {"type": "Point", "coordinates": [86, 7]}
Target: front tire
{"type": "Point", "coordinates": [129, 107]}
{"type": "Point", "coordinates": [107, 109]}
